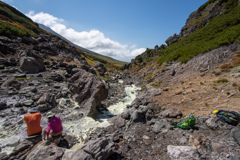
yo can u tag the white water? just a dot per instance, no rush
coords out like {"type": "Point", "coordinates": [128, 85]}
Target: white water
{"type": "Point", "coordinates": [82, 126]}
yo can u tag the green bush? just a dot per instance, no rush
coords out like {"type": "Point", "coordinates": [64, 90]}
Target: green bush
{"type": "Point", "coordinates": [222, 81]}
{"type": "Point", "coordinates": [139, 58]}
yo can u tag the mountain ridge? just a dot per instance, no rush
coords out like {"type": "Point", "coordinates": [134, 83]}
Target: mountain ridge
{"type": "Point", "coordinates": [110, 59]}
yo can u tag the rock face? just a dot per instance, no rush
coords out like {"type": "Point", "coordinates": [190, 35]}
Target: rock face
{"type": "Point", "coordinates": [22, 149]}
{"type": "Point", "coordinates": [99, 149]}
{"type": "Point", "coordinates": [45, 150]}
{"type": "Point", "coordinates": [88, 90]}
{"type": "Point", "coordinates": [198, 19]}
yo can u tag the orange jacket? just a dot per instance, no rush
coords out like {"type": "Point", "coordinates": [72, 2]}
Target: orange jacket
{"type": "Point", "coordinates": [33, 123]}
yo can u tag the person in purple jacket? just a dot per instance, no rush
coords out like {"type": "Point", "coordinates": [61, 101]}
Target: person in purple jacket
{"type": "Point", "coordinates": [54, 128]}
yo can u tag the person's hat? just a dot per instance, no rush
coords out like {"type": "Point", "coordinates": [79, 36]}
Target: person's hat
{"type": "Point", "coordinates": [33, 110]}
{"type": "Point", "coordinates": [50, 114]}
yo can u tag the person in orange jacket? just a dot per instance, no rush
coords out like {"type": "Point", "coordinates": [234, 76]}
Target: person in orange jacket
{"type": "Point", "coordinates": [33, 123]}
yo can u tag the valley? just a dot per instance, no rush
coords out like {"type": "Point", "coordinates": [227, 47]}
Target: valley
{"type": "Point", "coordinates": [110, 112]}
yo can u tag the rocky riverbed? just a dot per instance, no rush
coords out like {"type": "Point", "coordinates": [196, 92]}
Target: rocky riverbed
{"type": "Point", "coordinates": [76, 93]}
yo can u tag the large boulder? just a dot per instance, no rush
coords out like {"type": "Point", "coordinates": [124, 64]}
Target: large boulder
{"type": "Point", "coordinates": [88, 90]}
{"type": "Point", "coordinates": [46, 102]}
{"type": "Point", "coordinates": [99, 149]}
{"type": "Point", "coordinates": [138, 116]}
{"type": "Point", "coordinates": [30, 62]}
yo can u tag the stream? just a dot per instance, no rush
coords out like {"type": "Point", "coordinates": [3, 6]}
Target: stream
{"type": "Point", "coordinates": [81, 127]}
{"type": "Point", "coordinates": [16, 128]}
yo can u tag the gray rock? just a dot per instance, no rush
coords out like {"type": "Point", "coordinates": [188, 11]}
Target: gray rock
{"type": "Point", "coordinates": [171, 113]}
{"type": "Point", "coordinates": [99, 149]}
{"type": "Point", "coordinates": [46, 102]}
{"type": "Point", "coordinates": [47, 98]}
{"type": "Point", "coordinates": [235, 133]}
{"type": "Point", "coordinates": [183, 152]}
{"type": "Point", "coordinates": [25, 146]}
{"type": "Point", "coordinates": [89, 91]}
{"type": "Point", "coordinates": [27, 102]}
{"type": "Point", "coordinates": [118, 121]}
{"type": "Point", "coordinates": [11, 82]}
{"type": "Point", "coordinates": [127, 113]}
{"type": "Point", "coordinates": [11, 141]}
{"type": "Point", "coordinates": [217, 124]}
{"type": "Point", "coordinates": [3, 105]}
{"type": "Point", "coordinates": [31, 65]}
{"type": "Point", "coordinates": [139, 114]}
{"type": "Point", "coordinates": [160, 125]}
{"type": "Point", "coordinates": [46, 150]}
{"type": "Point", "coordinates": [149, 114]}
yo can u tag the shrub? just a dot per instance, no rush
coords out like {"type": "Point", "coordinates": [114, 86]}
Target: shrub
{"type": "Point", "coordinates": [149, 59]}
{"type": "Point", "coordinates": [217, 73]}
{"type": "Point", "coordinates": [236, 60]}
{"type": "Point", "coordinates": [225, 67]}
{"type": "Point", "coordinates": [156, 84]}
{"type": "Point", "coordinates": [139, 58]}
{"type": "Point", "coordinates": [143, 88]}
{"type": "Point", "coordinates": [222, 81]}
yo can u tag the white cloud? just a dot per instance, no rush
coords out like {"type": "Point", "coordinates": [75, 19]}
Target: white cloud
{"type": "Point", "coordinates": [93, 40]}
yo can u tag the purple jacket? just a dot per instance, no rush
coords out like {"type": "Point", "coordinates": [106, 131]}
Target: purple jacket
{"type": "Point", "coordinates": [55, 124]}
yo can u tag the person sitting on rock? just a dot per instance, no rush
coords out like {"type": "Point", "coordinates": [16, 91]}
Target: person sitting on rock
{"type": "Point", "coordinates": [55, 127]}
{"type": "Point", "coordinates": [33, 123]}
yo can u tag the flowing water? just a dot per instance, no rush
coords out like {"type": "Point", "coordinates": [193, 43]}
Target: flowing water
{"type": "Point", "coordinates": [80, 128]}
{"type": "Point", "coordinates": [83, 126]}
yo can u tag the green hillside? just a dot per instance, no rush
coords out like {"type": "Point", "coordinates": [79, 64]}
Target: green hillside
{"type": "Point", "coordinates": [15, 23]}
{"type": "Point", "coordinates": [221, 30]}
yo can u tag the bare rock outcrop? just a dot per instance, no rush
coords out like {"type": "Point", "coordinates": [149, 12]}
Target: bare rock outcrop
{"type": "Point", "coordinates": [88, 90]}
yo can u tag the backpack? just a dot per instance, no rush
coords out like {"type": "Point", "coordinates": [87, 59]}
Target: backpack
{"type": "Point", "coordinates": [230, 117]}
{"type": "Point", "coordinates": [187, 123]}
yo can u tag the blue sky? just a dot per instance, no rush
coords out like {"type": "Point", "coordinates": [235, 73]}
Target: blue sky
{"type": "Point", "coordinates": [121, 29]}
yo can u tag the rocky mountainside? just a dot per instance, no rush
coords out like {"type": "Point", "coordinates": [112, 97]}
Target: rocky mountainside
{"type": "Point", "coordinates": [43, 71]}
{"type": "Point", "coordinates": [106, 58]}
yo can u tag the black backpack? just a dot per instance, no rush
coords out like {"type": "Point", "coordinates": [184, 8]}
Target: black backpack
{"type": "Point", "coordinates": [231, 117]}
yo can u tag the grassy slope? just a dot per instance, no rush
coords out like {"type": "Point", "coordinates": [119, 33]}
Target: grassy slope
{"type": "Point", "coordinates": [222, 30]}
{"type": "Point", "coordinates": [13, 22]}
